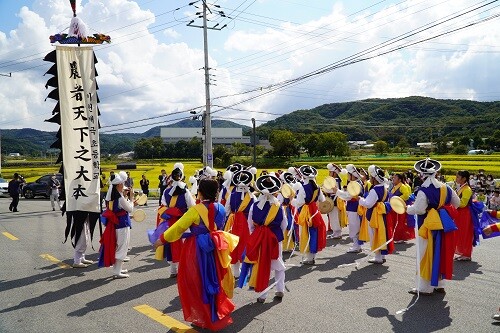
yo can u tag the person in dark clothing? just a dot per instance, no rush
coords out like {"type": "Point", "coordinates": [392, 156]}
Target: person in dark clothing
{"type": "Point", "coordinates": [163, 178]}
{"type": "Point", "coordinates": [14, 191]}
{"type": "Point", "coordinates": [145, 186]}
{"type": "Point", "coordinates": [417, 182]}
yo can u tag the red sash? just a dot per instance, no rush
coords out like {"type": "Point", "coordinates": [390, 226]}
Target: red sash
{"type": "Point", "coordinates": [108, 239]}
{"type": "Point", "coordinates": [262, 247]}
{"type": "Point", "coordinates": [240, 229]}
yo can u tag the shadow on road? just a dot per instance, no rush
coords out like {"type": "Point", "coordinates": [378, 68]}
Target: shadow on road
{"type": "Point", "coordinates": [54, 296]}
{"type": "Point", "coordinates": [358, 278]}
{"type": "Point", "coordinates": [462, 269]}
{"type": "Point", "coordinates": [403, 247]}
{"type": "Point", "coordinates": [120, 297]}
{"type": "Point", "coordinates": [430, 314]}
{"type": "Point", "coordinates": [243, 316]}
{"type": "Point", "coordinates": [54, 273]}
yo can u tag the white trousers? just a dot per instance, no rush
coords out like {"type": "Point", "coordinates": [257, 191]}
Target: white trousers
{"type": "Point", "coordinates": [236, 269]}
{"type": "Point", "coordinates": [81, 244]}
{"type": "Point", "coordinates": [122, 240]}
{"type": "Point", "coordinates": [173, 267]}
{"type": "Point", "coordinates": [333, 218]}
{"type": "Point", "coordinates": [378, 254]}
{"type": "Point", "coordinates": [54, 196]}
{"type": "Point", "coordinates": [425, 285]}
{"type": "Point", "coordinates": [354, 226]}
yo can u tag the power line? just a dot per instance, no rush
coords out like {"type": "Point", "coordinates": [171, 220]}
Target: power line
{"type": "Point", "coordinates": [358, 56]}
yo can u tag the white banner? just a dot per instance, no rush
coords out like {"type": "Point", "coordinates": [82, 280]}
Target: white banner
{"type": "Point", "coordinates": [79, 127]}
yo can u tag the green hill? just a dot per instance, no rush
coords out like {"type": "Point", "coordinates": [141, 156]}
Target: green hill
{"type": "Point", "coordinates": [416, 118]}
{"type": "Point", "coordinates": [27, 141]}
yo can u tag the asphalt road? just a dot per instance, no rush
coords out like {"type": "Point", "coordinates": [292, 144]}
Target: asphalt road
{"type": "Point", "coordinates": [38, 295]}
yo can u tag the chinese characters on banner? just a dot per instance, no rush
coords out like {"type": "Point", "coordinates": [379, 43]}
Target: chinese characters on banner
{"type": "Point", "coordinates": [79, 127]}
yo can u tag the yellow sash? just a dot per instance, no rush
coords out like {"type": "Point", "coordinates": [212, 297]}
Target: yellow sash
{"type": "Point", "coordinates": [305, 222]}
{"type": "Point", "coordinates": [341, 205]}
{"type": "Point", "coordinates": [364, 234]}
{"type": "Point", "coordinates": [431, 222]}
{"type": "Point", "coordinates": [159, 250]}
{"type": "Point", "coordinates": [377, 223]}
{"type": "Point", "coordinates": [395, 188]}
{"type": "Point", "coordinates": [224, 255]}
{"type": "Point", "coordinates": [315, 195]}
{"type": "Point", "coordinates": [243, 205]}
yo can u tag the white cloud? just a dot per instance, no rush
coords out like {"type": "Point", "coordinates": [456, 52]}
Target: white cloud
{"type": "Point", "coordinates": [143, 74]}
{"type": "Point", "coordinates": [171, 33]}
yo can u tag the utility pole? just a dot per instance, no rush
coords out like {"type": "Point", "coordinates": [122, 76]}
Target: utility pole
{"type": "Point", "coordinates": [208, 159]}
{"type": "Point", "coordinates": [254, 144]}
{"type": "Point", "coordinates": [207, 118]}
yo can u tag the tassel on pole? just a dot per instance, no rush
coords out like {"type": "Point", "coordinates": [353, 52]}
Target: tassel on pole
{"type": "Point", "coordinates": [73, 6]}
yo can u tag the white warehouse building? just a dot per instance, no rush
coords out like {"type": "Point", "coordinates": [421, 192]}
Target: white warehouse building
{"type": "Point", "coordinates": [220, 135]}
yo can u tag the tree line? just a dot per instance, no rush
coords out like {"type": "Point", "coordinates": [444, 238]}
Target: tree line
{"type": "Point", "coordinates": [284, 143]}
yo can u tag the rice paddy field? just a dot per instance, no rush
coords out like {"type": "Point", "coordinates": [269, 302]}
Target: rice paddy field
{"type": "Point", "coordinates": [392, 163]}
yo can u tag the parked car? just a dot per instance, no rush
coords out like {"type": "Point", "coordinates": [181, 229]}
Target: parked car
{"type": "Point", "coordinates": [41, 187]}
{"type": "Point", "coordinates": [4, 188]}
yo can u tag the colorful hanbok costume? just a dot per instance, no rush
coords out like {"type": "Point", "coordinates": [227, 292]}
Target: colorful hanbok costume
{"type": "Point", "coordinates": [353, 217]}
{"type": "Point", "coordinates": [116, 236]}
{"type": "Point", "coordinates": [337, 218]}
{"type": "Point", "coordinates": [267, 222]}
{"type": "Point", "coordinates": [375, 204]}
{"type": "Point", "coordinates": [435, 205]}
{"type": "Point", "coordinates": [312, 229]}
{"type": "Point", "coordinates": [403, 231]}
{"type": "Point", "coordinates": [175, 201]}
{"type": "Point", "coordinates": [227, 186]}
{"type": "Point", "coordinates": [291, 234]}
{"type": "Point", "coordinates": [205, 280]}
{"type": "Point", "coordinates": [466, 220]}
{"type": "Point", "coordinates": [237, 208]}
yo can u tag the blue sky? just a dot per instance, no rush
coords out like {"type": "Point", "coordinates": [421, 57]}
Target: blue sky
{"type": "Point", "coordinates": [151, 68]}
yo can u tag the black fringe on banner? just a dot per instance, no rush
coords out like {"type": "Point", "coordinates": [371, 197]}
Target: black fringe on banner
{"type": "Point", "coordinates": [74, 225]}
{"type": "Point", "coordinates": [56, 119]}
{"type": "Point", "coordinates": [57, 109]}
{"type": "Point", "coordinates": [52, 70]}
{"type": "Point", "coordinates": [52, 82]}
{"type": "Point", "coordinates": [54, 94]}
{"type": "Point", "coordinates": [51, 57]}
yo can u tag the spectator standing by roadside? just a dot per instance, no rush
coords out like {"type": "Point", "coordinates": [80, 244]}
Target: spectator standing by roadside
{"type": "Point", "coordinates": [54, 185]}
{"type": "Point", "coordinates": [145, 186]}
{"type": "Point", "coordinates": [163, 178]}
{"type": "Point", "coordinates": [14, 191]}
{"type": "Point", "coordinates": [130, 184]}
{"type": "Point", "coordinates": [104, 183]}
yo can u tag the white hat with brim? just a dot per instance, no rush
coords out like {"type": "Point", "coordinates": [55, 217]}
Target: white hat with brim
{"type": "Point", "coordinates": [351, 169]}
{"type": "Point", "coordinates": [377, 173]}
{"type": "Point", "coordinates": [334, 168]}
